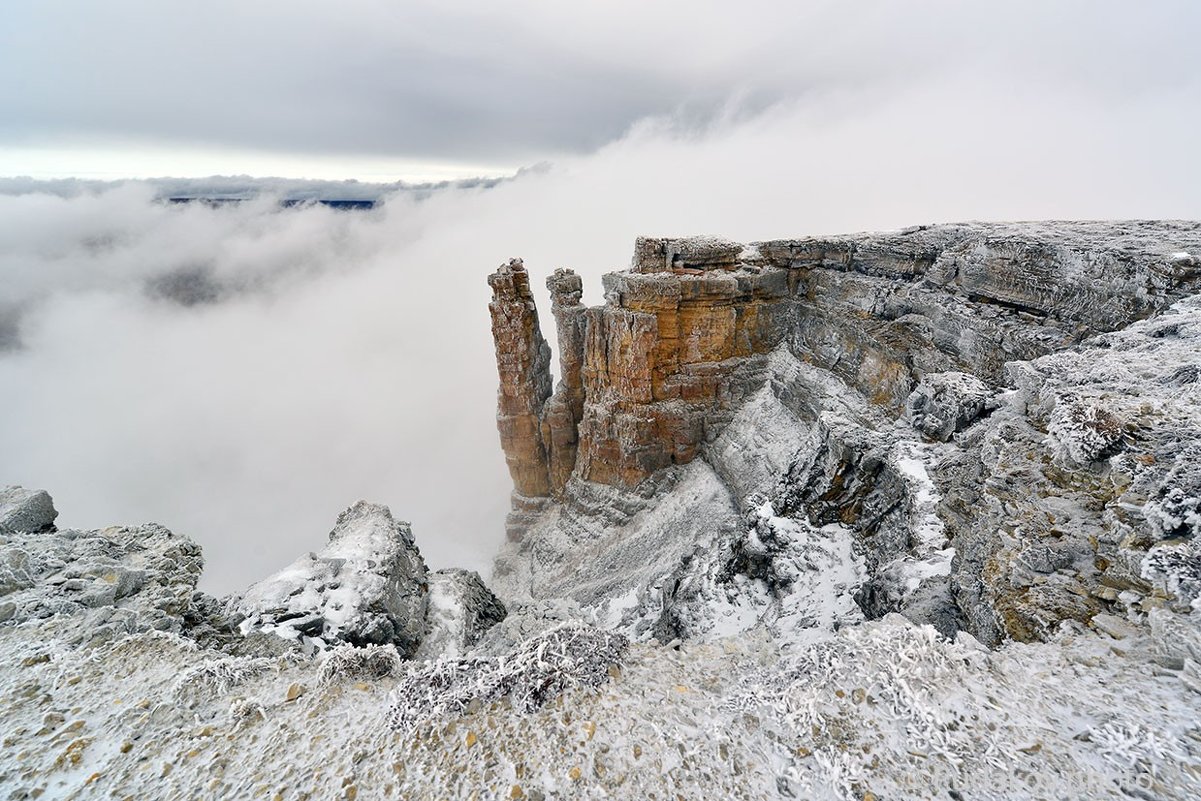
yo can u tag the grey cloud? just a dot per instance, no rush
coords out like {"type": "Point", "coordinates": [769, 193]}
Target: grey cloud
{"type": "Point", "coordinates": [521, 80]}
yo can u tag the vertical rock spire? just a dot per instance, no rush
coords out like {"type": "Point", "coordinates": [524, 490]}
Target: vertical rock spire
{"type": "Point", "coordinates": [561, 416]}
{"type": "Point", "coordinates": [523, 362]}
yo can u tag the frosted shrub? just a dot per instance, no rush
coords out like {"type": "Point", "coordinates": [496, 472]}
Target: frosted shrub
{"type": "Point", "coordinates": [1176, 569]}
{"type": "Point", "coordinates": [568, 657]}
{"type": "Point", "coordinates": [1175, 514]}
{"type": "Point", "coordinates": [1083, 431]}
{"type": "Point", "coordinates": [218, 676]}
{"type": "Point", "coordinates": [1136, 747]}
{"type": "Point", "coordinates": [349, 662]}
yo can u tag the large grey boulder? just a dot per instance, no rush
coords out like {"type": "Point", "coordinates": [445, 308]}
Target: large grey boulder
{"type": "Point", "coordinates": [368, 586]}
{"type": "Point", "coordinates": [26, 510]}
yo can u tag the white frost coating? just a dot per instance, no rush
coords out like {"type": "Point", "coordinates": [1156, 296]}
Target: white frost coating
{"type": "Point", "coordinates": [780, 575]}
{"type": "Point", "coordinates": [929, 554]}
{"type": "Point", "coordinates": [750, 253]}
{"type": "Point", "coordinates": [928, 532]}
{"type": "Point", "coordinates": [755, 448]}
{"type": "Point", "coordinates": [614, 610]}
{"type": "Point", "coordinates": [1175, 568]}
{"type": "Point", "coordinates": [593, 563]}
{"type": "Point", "coordinates": [828, 572]}
{"type": "Point", "coordinates": [367, 585]}
{"type": "Point", "coordinates": [445, 616]}
{"type": "Point", "coordinates": [884, 707]}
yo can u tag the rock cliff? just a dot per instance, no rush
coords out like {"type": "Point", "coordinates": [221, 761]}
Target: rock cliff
{"type": "Point", "coordinates": [873, 382]}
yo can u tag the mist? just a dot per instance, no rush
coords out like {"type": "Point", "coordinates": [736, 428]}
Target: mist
{"type": "Point", "coordinates": [242, 373]}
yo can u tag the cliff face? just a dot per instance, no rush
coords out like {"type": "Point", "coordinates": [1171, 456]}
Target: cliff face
{"type": "Point", "coordinates": [680, 342]}
{"type": "Point", "coordinates": [644, 376]}
{"type": "Point", "coordinates": [824, 374]}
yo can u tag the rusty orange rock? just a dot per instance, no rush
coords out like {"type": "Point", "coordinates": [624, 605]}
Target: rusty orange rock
{"type": "Point", "coordinates": [523, 363]}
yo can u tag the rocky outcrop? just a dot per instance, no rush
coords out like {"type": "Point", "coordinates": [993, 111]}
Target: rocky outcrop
{"type": "Point", "coordinates": [461, 610]}
{"type": "Point", "coordinates": [23, 510]}
{"type": "Point", "coordinates": [523, 362]}
{"type": "Point", "coordinates": [877, 382]}
{"type": "Point", "coordinates": [370, 587]}
{"type": "Point", "coordinates": [117, 581]}
{"type": "Point", "coordinates": [946, 403]}
{"type": "Point", "coordinates": [646, 377]}
{"type": "Point", "coordinates": [1059, 505]}
{"type": "Point", "coordinates": [367, 586]}
{"type": "Point", "coordinates": [562, 413]}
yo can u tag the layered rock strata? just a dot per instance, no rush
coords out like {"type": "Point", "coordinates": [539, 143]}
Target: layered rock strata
{"type": "Point", "coordinates": [824, 375]}
{"type": "Point", "coordinates": [659, 369]}
{"type": "Point", "coordinates": [523, 362]}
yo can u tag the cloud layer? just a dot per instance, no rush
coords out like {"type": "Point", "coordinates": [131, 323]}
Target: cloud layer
{"type": "Point", "coordinates": [515, 82]}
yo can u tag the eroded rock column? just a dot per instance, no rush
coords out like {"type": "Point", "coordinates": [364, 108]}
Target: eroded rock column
{"type": "Point", "coordinates": [523, 362]}
{"type": "Point", "coordinates": [561, 416]}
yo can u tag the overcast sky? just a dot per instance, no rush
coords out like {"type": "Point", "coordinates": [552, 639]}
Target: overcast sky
{"type": "Point", "coordinates": [380, 88]}
{"type": "Point", "coordinates": [241, 374]}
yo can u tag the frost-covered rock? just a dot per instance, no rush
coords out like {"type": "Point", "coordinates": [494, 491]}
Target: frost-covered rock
{"type": "Point", "coordinates": [1176, 644]}
{"type": "Point", "coordinates": [23, 510]}
{"type": "Point", "coordinates": [121, 579]}
{"type": "Point", "coordinates": [525, 620]}
{"type": "Point", "coordinates": [461, 610]}
{"type": "Point", "coordinates": [777, 573]}
{"type": "Point", "coordinates": [945, 403]}
{"type": "Point", "coordinates": [367, 586]}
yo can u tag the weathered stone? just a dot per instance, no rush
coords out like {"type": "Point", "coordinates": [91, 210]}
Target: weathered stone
{"type": "Point", "coordinates": [461, 610]}
{"type": "Point", "coordinates": [26, 510]}
{"type": "Point", "coordinates": [367, 586]}
{"type": "Point", "coordinates": [119, 580]}
{"type": "Point", "coordinates": [523, 362]}
{"type": "Point", "coordinates": [562, 413]}
{"type": "Point", "coordinates": [688, 253]}
{"type": "Point", "coordinates": [945, 403]}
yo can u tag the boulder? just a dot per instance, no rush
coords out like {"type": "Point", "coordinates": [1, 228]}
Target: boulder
{"type": "Point", "coordinates": [367, 586]}
{"type": "Point", "coordinates": [946, 403]}
{"type": "Point", "coordinates": [26, 510]}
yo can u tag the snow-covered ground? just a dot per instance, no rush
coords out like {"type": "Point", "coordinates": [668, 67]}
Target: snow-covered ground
{"type": "Point", "coordinates": [884, 709]}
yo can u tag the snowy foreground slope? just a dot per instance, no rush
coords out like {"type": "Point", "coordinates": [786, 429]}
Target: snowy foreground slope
{"type": "Point", "coordinates": [885, 708]}
{"type": "Point", "coordinates": [986, 587]}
